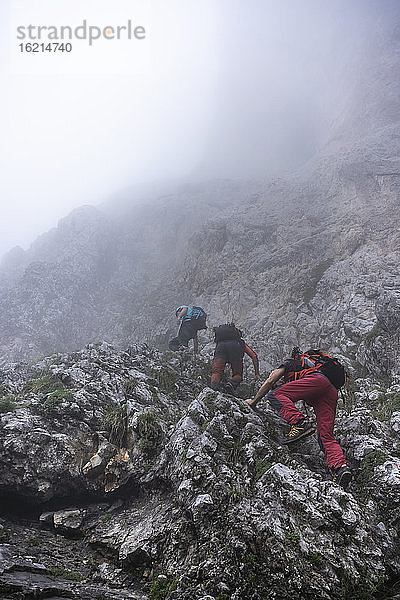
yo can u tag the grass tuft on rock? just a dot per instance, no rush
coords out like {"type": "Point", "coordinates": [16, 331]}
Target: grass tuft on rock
{"type": "Point", "coordinates": [369, 462]}
{"type": "Point", "coordinates": [7, 404]}
{"type": "Point", "coordinates": [46, 384]}
{"type": "Point", "coordinates": [116, 423]}
{"type": "Point", "coordinates": [387, 405]}
{"type": "Point", "coordinates": [162, 588]}
{"type": "Point", "coordinates": [149, 433]}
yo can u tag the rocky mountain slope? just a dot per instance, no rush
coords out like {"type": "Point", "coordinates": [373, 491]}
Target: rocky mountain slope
{"type": "Point", "coordinates": [311, 258]}
{"type": "Point", "coordinates": [98, 276]}
{"type": "Point", "coordinates": [123, 476]}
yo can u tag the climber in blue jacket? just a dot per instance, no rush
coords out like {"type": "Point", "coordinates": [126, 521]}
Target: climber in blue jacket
{"type": "Point", "coordinates": [190, 320]}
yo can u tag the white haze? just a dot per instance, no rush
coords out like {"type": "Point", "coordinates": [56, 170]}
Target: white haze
{"type": "Point", "coordinates": [219, 88]}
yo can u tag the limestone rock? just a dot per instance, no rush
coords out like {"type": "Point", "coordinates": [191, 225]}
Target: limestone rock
{"type": "Point", "coordinates": [186, 482]}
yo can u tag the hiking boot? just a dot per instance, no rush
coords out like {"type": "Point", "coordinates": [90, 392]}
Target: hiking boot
{"type": "Point", "coordinates": [229, 389]}
{"type": "Point", "coordinates": [342, 476]}
{"type": "Point", "coordinates": [298, 431]}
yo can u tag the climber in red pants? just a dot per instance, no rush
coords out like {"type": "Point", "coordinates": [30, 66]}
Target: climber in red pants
{"type": "Point", "coordinates": [306, 382]}
{"type": "Point", "coordinates": [231, 349]}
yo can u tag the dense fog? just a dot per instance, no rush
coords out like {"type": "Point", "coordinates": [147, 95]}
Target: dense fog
{"type": "Point", "coordinates": [216, 89]}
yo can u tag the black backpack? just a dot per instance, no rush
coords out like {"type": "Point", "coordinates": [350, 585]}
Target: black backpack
{"type": "Point", "coordinates": [327, 365]}
{"type": "Point", "coordinates": [199, 317]}
{"type": "Point", "coordinates": [226, 332]}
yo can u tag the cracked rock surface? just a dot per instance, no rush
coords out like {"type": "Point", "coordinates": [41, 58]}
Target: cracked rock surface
{"type": "Point", "coordinates": [122, 475]}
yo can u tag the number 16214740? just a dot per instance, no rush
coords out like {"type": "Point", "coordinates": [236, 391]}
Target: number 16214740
{"type": "Point", "coordinates": [50, 47]}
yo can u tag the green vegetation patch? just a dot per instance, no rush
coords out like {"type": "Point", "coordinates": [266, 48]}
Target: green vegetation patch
{"type": "Point", "coordinates": [369, 462]}
{"type": "Point", "coordinates": [253, 560]}
{"type": "Point", "coordinates": [7, 404]}
{"type": "Point", "coordinates": [56, 398]}
{"type": "Point", "coordinates": [105, 518]}
{"type": "Point", "coordinates": [65, 574]}
{"type": "Point", "coordinates": [149, 433]}
{"type": "Point", "coordinates": [261, 467]}
{"type": "Point", "coordinates": [162, 588]}
{"type": "Point", "coordinates": [55, 392]}
{"type": "Point", "coordinates": [294, 537]}
{"type": "Point", "coordinates": [360, 590]}
{"type": "Point", "coordinates": [46, 384]}
{"type": "Point", "coordinates": [34, 541]}
{"type": "Point", "coordinates": [166, 379]}
{"type": "Point", "coordinates": [315, 557]}
{"type": "Point", "coordinates": [116, 423]}
{"type": "Point", "coordinates": [387, 405]}
{"type": "Point", "coordinates": [235, 495]}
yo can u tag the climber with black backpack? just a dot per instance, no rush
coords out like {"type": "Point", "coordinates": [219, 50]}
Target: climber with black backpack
{"type": "Point", "coordinates": [190, 319]}
{"type": "Point", "coordinates": [315, 378]}
{"type": "Point", "coordinates": [231, 349]}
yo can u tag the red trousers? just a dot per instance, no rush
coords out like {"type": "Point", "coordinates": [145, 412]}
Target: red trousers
{"type": "Point", "coordinates": [218, 368]}
{"type": "Point", "coordinates": [317, 391]}
{"type": "Point", "coordinates": [228, 351]}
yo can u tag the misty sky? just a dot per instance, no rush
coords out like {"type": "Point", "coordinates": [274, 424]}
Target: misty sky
{"type": "Point", "coordinates": [219, 88]}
